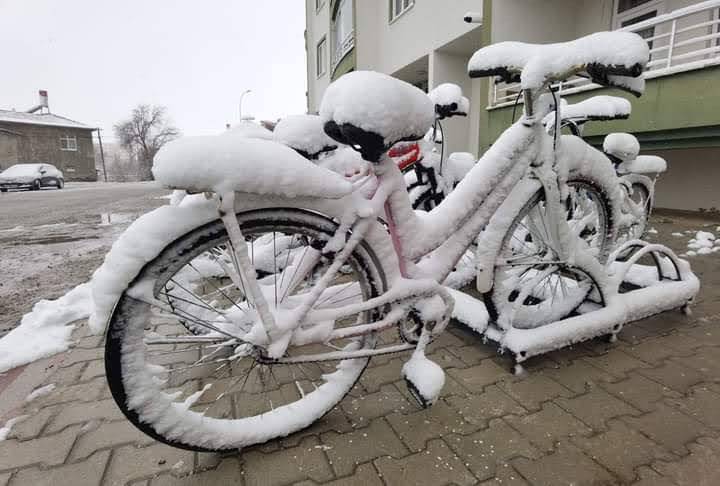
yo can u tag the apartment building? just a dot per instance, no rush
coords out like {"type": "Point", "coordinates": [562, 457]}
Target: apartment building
{"type": "Point", "coordinates": [426, 43]}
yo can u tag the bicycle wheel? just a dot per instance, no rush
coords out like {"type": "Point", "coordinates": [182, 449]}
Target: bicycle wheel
{"type": "Point", "coordinates": [214, 391]}
{"type": "Point", "coordinates": [640, 196]}
{"type": "Point", "coordinates": [532, 285]}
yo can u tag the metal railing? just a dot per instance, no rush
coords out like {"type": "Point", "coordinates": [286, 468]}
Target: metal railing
{"type": "Point", "coordinates": [342, 47]}
{"type": "Point", "coordinates": [681, 40]}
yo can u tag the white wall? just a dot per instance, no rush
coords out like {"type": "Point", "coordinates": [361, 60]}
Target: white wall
{"type": "Point", "coordinates": [691, 180]}
{"type": "Point", "coordinates": [428, 25]}
{"type": "Point", "coordinates": [449, 68]}
{"type": "Point", "coordinates": [317, 25]}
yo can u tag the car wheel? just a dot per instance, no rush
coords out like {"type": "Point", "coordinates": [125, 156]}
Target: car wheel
{"type": "Point", "coordinates": [36, 185]}
{"type": "Point", "coordinates": [60, 183]}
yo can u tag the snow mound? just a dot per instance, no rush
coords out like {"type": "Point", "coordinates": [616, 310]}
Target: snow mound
{"type": "Point", "coordinates": [644, 164]}
{"type": "Point", "coordinates": [224, 163]}
{"type": "Point", "coordinates": [303, 133]}
{"type": "Point", "coordinates": [45, 331]}
{"type": "Point", "coordinates": [378, 103]}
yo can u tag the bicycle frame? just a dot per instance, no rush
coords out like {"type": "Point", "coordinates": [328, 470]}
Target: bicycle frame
{"type": "Point", "coordinates": [427, 246]}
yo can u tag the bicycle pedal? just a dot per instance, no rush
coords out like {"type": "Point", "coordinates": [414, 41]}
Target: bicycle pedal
{"type": "Point", "coordinates": [424, 379]}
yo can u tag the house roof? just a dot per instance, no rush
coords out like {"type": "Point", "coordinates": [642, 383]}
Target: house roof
{"type": "Point", "coordinates": [49, 119]}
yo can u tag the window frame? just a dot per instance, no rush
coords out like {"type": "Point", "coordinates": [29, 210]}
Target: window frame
{"type": "Point", "coordinates": [407, 5]}
{"type": "Point", "coordinates": [66, 145]}
{"type": "Point", "coordinates": [619, 18]}
{"type": "Point", "coordinates": [318, 73]}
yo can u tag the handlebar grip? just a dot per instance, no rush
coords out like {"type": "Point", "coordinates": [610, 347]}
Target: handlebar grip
{"type": "Point", "coordinates": [473, 17]}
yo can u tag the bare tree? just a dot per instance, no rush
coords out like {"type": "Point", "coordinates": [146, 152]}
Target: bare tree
{"type": "Point", "coordinates": [147, 130]}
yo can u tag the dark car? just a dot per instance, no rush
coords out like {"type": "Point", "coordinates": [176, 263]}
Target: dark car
{"type": "Point", "coordinates": [31, 176]}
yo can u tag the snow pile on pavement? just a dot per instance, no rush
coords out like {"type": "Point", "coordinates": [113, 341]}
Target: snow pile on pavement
{"type": "Point", "coordinates": [704, 243]}
{"type": "Point", "coordinates": [5, 430]}
{"type": "Point", "coordinates": [45, 331]}
{"type": "Point", "coordinates": [40, 392]}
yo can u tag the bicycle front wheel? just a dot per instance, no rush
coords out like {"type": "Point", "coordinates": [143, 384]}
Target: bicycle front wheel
{"type": "Point", "coordinates": [207, 389]}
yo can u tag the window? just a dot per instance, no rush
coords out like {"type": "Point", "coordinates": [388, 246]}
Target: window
{"type": "Point", "coordinates": [343, 34]}
{"type": "Point", "coordinates": [319, 4]}
{"type": "Point", "coordinates": [399, 7]}
{"type": "Point", "coordinates": [68, 143]}
{"type": "Point", "coordinates": [321, 56]}
{"type": "Point", "coordinates": [629, 12]}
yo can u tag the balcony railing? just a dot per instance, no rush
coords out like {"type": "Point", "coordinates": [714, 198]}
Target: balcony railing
{"type": "Point", "coordinates": [342, 47]}
{"type": "Point", "coordinates": [684, 39]}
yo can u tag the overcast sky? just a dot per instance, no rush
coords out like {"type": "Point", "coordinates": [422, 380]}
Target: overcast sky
{"type": "Point", "coordinates": [98, 59]}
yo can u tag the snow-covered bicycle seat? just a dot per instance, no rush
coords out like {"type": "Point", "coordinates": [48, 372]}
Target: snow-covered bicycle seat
{"type": "Point", "coordinates": [371, 112]}
{"type": "Point", "coordinates": [593, 109]}
{"type": "Point", "coordinates": [305, 134]}
{"type": "Point", "coordinates": [222, 163]}
{"type": "Point", "coordinates": [608, 58]}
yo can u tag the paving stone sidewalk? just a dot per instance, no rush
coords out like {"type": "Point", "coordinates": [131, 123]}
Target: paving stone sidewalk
{"type": "Point", "coordinates": [643, 410]}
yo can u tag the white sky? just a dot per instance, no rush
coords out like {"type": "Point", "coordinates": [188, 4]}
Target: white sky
{"type": "Point", "coordinates": [100, 58]}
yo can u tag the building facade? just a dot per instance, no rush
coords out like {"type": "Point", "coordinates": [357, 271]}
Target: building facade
{"type": "Point", "coordinates": [427, 43]}
{"type": "Point", "coordinates": [37, 137]}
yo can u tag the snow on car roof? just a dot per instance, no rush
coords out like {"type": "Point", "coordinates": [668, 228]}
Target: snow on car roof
{"type": "Point", "coordinates": [21, 169]}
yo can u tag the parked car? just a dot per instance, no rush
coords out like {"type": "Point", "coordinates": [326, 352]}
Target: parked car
{"type": "Point", "coordinates": [31, 176]}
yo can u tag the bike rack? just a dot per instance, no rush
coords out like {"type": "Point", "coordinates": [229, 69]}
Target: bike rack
{"type": "Point", "coordinates": [633, 291]}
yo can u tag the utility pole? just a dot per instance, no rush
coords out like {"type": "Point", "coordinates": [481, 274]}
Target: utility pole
{"type": "Point", "coordinates": [241, 100]}
{"type": "Point", "coordinates": [102, 154]}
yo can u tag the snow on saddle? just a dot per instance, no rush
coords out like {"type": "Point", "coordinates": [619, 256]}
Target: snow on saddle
{"type": "Point", "coordinates": [371, 112]}
{"type": "Point", "coordinates": [221, 163]}
{"type": "Point", "coordinates": [607, 58]}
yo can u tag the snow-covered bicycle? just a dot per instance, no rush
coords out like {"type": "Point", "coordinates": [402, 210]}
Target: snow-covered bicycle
{"type": "Point", "coordinates": [636, 173]}
{"type": "Point", "coordinates": [290, 331]}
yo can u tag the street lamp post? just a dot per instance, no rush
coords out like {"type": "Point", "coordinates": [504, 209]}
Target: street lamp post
{"type": "Point", "coordinates": [241, 100]}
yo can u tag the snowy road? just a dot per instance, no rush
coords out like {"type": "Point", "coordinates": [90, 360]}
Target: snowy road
{"type": "Point", "coordinates": [52, 240]}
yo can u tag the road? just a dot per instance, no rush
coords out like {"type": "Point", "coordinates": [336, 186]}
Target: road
{"type": "Point", "coordinates": [52, 240]}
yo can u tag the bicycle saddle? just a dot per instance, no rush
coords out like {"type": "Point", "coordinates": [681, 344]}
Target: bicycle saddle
{"type": "Point", "coordinates": [304, 134]}
{"type": "Point", "coordinates": [608, 58]}
{"type": "Point", "coordinates": [371, 112]}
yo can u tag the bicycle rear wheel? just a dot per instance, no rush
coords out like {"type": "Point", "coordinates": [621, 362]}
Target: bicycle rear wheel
{"type": "Point", "coordinates": [532, 285]}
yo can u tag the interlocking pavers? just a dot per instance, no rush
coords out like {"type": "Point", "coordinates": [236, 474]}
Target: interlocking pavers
{"type": "Point", "coordinates": [621, 449]}
{"type": "Point", "coordinates": [438, 464]}
{"type": "Point", "coordinates": [88, 473]}
{"type": "Point", "coordinates": [129, 463]}
{"type": "Point", "coordinates": [534, 389]}
{"type": "Point", "coordinates": [640, 392]}
{"type": "Point", "coordinates": [487, 451]}
{"type": "Point", "coordinates": [226, 473]}
{"type": "Point", "coordinates": [107, 435]}
{"type": "Point", "coordinates": [476, 377]}
{"type": "Point", "coordinates": [50, 450]}
{"type": "Point", "coordinates": [669, 427]}
{"type": "Point", "coordinates": [416, 428]}
{"type": "Point", "coordinates": [305, 461]}
{"type": "Point", "coordinates": [549, 425]}
{"type": "Point", "coordinates": [568, 465]}
{"type": "Point", "coordinates": [699, 468]}
{"type": "Point", "coordinates": [596, 407]}
{"type": "Point", "coordinates": [346, 451]}
{"type": "Point", "coordinates": [478, 408]}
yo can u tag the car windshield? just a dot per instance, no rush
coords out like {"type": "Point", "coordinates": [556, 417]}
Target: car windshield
{"type": "Point", "coordinates": [19, 170]}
